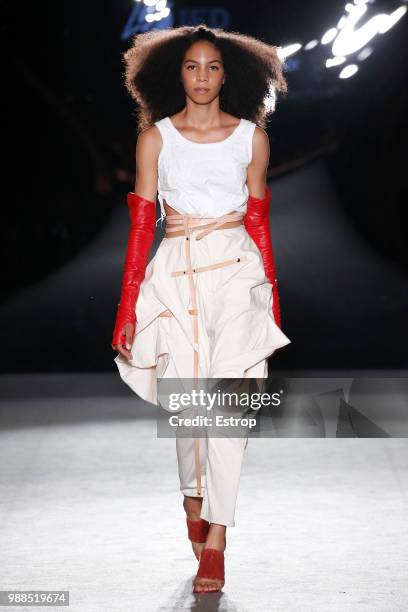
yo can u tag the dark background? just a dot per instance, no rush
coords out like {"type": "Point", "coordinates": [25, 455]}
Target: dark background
{"type": "Point", "coordinates": [337, 170]}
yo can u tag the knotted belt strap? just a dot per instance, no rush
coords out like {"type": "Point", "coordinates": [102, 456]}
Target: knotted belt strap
{"type": "Point", "coordinates": [188, 222]}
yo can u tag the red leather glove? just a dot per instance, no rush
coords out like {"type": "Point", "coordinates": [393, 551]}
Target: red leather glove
{"type": "Point", "coordinates": [256, 222]}
{"type": "Point", "coordinates": [142, 214]}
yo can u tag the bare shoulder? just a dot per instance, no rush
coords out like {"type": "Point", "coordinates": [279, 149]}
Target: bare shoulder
{"type": "Point", "coordinates": [260, 148]}
{"type": "Point", "coordinates": [148, 147]}
{"type": "Point", "coordinates": [149, 141]}
{"type": "Point", "coordinates": [260, 139]}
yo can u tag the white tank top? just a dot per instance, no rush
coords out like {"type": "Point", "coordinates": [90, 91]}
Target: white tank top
{"type": "Point", "coordinates": [204, 179]}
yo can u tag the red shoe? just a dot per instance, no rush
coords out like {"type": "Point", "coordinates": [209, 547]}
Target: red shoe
{"type": "Point", "coordinates": [210, 571]}
{"type": "Point", "coordinates": [197, 533]}
{"type": "Point", "coordinates": [197, 530]}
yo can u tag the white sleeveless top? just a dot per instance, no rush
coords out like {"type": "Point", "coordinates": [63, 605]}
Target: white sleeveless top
{"type": "Point", "coordinates": [204, 179]}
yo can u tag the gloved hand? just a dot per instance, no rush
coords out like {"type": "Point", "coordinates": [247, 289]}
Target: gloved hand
{"type": "Point", "coordinates": [142, 214]}
{"type": "Point", "coordinates": [256, 222]}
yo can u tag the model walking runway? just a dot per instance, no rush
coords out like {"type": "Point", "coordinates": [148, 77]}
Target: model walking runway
{"type": "Point", "coordinates": [206, 306]}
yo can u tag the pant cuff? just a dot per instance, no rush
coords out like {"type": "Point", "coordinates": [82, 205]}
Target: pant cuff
{"type": "Point", "coordinates": [218, 521]}
{"type": "Point", "coordinates": [193, 492]}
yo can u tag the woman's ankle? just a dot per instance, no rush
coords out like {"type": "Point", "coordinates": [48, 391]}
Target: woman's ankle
{"type": "Point", "coordinates": [192, 507]}
{"type": "Point", "coordinates": [217, 537]}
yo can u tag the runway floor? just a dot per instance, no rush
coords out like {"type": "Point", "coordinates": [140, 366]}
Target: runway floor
{"type": "Point", "coordinates": [90, 503]}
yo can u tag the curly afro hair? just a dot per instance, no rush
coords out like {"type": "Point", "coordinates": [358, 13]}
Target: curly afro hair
{"type": "Point", "coordinates": [153, 64]}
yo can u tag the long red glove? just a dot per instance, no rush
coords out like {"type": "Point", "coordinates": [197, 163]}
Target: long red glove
{"type": "Point", "coordinates": [142, 214]}
{"type": "Point", "coordinates": [256, 222]}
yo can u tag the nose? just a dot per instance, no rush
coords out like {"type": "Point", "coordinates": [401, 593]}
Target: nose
{"type": "Point", "coordinates": [202, 76]}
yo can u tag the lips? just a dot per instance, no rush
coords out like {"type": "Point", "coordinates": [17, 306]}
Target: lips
{"type": "Point", "coordinates": [201, 89]}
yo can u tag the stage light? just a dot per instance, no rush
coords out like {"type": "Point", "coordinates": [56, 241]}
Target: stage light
{"type": "Point", "coordinates": [342, 22]}
{"type": "Point", "coordinates": [311, 45]}
{"type": "Point", "coordinates": [348, 71]}
{"type": "Point", "coordinates": [334, 61]}
{"type": "Point", "coordinates": [366, 52]}
{"type": "Point", "coordinates": [284, 52]}
{"type": "Point", "coordinates": [350, 40]}
{"type": "Point", "coordinates": [329, 36]}
{"type": "Point", "coordinates": [392, 19]}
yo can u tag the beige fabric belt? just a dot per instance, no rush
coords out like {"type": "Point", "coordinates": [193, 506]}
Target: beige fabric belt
{"type": "Point", "coordinates": [208, 224]}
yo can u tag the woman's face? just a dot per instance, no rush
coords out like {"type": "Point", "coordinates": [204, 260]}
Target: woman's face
{"type": "Point", "coordinates": [202, 72]}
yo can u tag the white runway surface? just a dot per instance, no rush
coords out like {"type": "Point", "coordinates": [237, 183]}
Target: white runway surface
{"type": "Point", "coordinates": [90, 503]}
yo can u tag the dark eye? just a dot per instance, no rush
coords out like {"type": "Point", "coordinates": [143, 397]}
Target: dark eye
{"type": "Point", "coordinates": [190, 66]}
{"type": "Point", "coordinates": [216, 67]}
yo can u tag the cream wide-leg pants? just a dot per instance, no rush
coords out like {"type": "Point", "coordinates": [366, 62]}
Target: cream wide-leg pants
{"type": "Point", "coordinates": [220, 461]}
{"type": "Point", "coordinates": [220, 457]}
{"type": "Point", "coordinates": [204, 309]}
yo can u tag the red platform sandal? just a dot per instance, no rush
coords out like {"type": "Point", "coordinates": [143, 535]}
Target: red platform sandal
{"type": "Point", "coordinates": [197, 534]}
{"type": "Point", "coordinates": [211, 571]}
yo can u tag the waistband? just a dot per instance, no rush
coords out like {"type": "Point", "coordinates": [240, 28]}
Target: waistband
{"type": "Point", "coordinates": [191, 222]}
